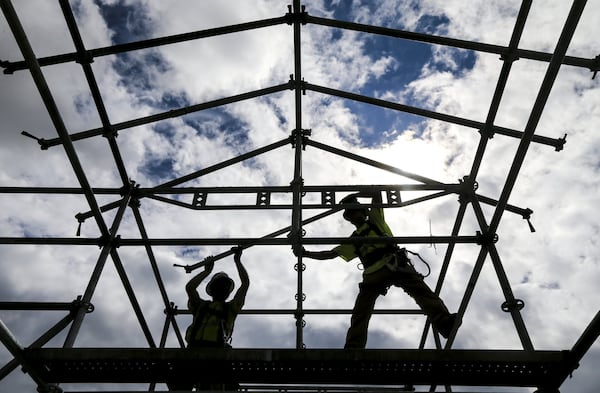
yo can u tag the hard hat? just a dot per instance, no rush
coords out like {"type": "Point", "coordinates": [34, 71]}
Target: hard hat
{"type": "Point", "coordinates": [351, 199]}
{"type": "Point", "coordinates": [221, 276]}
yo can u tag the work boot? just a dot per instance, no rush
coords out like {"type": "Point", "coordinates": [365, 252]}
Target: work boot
{"type": "Point", "coordinates": [444, 327]}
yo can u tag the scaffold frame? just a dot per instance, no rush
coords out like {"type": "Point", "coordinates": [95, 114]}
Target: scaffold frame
{"type": "Point", "coordinates": [50, 367]}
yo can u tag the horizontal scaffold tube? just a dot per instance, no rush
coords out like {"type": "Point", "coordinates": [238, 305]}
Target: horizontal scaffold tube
{"type": "Point", "coordinates": [240, 241]}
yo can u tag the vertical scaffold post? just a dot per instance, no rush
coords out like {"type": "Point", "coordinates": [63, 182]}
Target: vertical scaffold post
{"type": "Point", "coordinates": [297, 182]}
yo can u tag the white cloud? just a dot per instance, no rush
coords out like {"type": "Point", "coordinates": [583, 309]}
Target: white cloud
{"type": "Point", "coordinates": [555, 270]}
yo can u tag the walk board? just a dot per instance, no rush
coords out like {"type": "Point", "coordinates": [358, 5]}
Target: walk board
{"type": "Point", "coordinates": [308, 366]}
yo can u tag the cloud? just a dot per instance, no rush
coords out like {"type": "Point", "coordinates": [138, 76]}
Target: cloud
{"type": "Point", "coordinates": [554, 270]}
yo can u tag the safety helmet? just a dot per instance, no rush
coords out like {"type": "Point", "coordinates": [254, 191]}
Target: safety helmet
{"type": "Point", "coordinates": [220, 277]}
{"type": "Point", "coordinates": [351, 199]}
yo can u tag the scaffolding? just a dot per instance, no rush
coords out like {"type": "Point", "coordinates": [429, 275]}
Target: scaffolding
{"type": "Point", "coordinates": [274, 369]}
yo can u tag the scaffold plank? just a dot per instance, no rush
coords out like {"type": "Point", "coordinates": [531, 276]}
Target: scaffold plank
{"type": "Point", "coordinates": [307, 366]}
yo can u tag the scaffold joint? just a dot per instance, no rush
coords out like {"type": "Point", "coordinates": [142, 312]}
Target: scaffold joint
{"type": "Point", "coordinates": [467, 190]}
{"type": "Point", "coordinates": [128, 188]}
{"type": "Point", "coordinates": [527, 216]}
{"type": "Point", "coordinates": [510, 56]}
{"type": "Point", "coordinates": [109, 132]}
{"type": "Point", "coordinates": [486, 238]}
{"type": "Point", "coordinates": [512, 305]}
{"type": "Point", "coordinates": [11, 66]}
{"type": "Point", "coordinates": [296, 17]}
{"type": "Point", "coordinates": [7, 67]}
{"type": "Point", "coordinates": [300, 321]}
{"type": "Point", "coordinates": [135, 202]}
{"type": "Point", "coordinates": [560, 143]}
{"type": "Point", "coordinates": [297, 84]}
{"type": "Point", "coordinates": [304, 134]}
{"type": "Point", "coordinates": [487, 132]}
{"type": "Point", "coordinates": [291, 82]}
{"type": "Point", "coordinates": [84, 57]}
{"type": "Point", "coordinates": [78, 304]}
{"type": "Point", "coordinates": [172, 310]}
{"type": "Point", "coordinates": [41, 141]}
{"type": "Point", "coordinates": [104, 240]}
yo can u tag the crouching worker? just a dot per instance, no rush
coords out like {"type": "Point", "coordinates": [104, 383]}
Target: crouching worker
{"type": "Point", "coordinates": [385, 265]}
{"type": "Point", "coordinates": [212, 325]}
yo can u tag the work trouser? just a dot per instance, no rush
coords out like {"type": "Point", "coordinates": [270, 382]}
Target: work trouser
{"type": "Point", "coordinates": [377, 283]}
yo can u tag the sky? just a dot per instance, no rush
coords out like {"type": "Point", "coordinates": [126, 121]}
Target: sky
{"type": "Point", "coordinates": [554, 270]}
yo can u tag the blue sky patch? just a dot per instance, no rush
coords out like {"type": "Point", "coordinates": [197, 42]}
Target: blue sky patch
{"type": "Point", "coordinates": [127, 22]}
{"type": "Point", "coordinates": [433, 24]}
{"type": "Point", "coordinates": [218, 122]}
{"type": "Point", "coordinates": [157, 169]}
{"type": "Point", "coordinates": [379, 125]}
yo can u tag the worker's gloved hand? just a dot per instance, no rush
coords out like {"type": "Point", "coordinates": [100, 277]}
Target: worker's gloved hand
{"type": "Point", "coordinates": [210, 264]}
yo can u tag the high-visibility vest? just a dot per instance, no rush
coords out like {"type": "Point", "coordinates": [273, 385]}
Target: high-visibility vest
{"type": "Point", "coordinates": [212, 324]}
{"type": "Point", "coordinates": [369, 253]}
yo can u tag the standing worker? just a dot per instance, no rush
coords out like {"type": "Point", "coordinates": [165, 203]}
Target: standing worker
{"type": "Point", "coordinates": [384, 265]}
{"type": "Point", "coordinates": [214, 319]}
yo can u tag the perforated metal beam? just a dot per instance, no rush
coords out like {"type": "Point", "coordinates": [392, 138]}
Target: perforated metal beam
{"type": "Point", "coordinates": [319, 366]}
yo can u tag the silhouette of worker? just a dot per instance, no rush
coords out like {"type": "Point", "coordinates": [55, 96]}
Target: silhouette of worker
{"type": "Point", "coordinates": [214, 319]}
{"type": "Point", "coordinates": [384, 265]}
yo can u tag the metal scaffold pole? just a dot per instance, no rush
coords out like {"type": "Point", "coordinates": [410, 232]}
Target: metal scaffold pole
{"type": "Point", "coordinates": [298, 182]}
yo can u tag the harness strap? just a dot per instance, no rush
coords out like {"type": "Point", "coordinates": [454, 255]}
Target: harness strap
{"type": "Point", "coordinates": [202, 314]}
{"type": "Point", "coordinates": [378, 253]}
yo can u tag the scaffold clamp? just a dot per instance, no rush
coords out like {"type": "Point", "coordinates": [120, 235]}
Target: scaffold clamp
{"type": "Point", "coordinates": [512, 305]}
{"type": "Point", "coordinates": [560, 143]}
{"type": "Point", "coordinates": [486, 238]}
{"type": "Point", "coordinates": [527, 216]}
{"type": "Point", "coordinates": [79, 304]}
{"type": "Point", "coordinates": [84, 57]}
{"type": "Point", "coordinates": [467, 190]}
{"type": "Point", "coordinates": [171, 310]}
{"type": "Point", "coordinates": [304, 134]}
{"type": "Point", "coordinates": [292, 16]}
{"type": "Point", "coordinates": [41, 141]}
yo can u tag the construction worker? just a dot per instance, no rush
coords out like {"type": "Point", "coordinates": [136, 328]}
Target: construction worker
{"type": "Point", "coordinates": [214, 319]}
{"type": "Point", "coordinates": [384, 265]}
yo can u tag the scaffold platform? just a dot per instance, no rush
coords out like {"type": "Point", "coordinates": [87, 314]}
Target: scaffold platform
{"type": "Point", "coordinates": [307, 366]}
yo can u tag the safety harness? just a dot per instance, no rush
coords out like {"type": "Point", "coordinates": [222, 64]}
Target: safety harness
{"type": "Point", "coordinates": [210, 326]}
{"type": "Point", "coordinates": [371, 253]}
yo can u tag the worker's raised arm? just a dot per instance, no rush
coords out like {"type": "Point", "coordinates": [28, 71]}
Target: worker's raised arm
{"type": "Point", "coordinates": [192, 286]}
{"type": "Point", "coordinates": [240, 295]}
